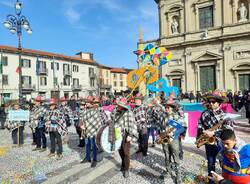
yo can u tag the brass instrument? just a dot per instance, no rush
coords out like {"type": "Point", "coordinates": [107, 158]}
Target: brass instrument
{"type": "Point", "coordinates": [165, 137]}
{"type": "Point", "coordinates": [203, 139]}
{"type": "Point", "coordinates": [83, 131]}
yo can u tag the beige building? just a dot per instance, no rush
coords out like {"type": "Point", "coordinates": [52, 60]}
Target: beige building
{"type": "Point", "coordinates": [113, 80]}
{"type": "Point", "coordinates": [210, 42]}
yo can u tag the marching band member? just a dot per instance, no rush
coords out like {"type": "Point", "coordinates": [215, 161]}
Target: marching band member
{"type": "Point", "coordinates": [171, 150]}
{"type": "Point", "coordinates": [141, 119]}
{"type": "Point", "coordinates": [77, 122]}
{"type": "Point", "coordinates": [93, 120]}
{"type": "Point", "coordinates": [37, 122]}
{"type": "Point", "coordinates": [210, 117]}
{"type": "Point", "coordinates": [16, 127]}
{"type": "Point", "coordinates": [66, 110]}
{"type": "Point", "coordinates": [123, 117]}
{"type": "Point", "coordinates": [56, 126]}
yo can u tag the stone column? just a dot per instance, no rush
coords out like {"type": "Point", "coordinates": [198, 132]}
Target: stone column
{"type": "Point", "coordinates": [235, 81]}
{"type": "Point", "coordinates": [234, 11]}
{"type": "Point", "coordinates": [218, 69]}
{"type": "Point", "coordinates": [196, 73]}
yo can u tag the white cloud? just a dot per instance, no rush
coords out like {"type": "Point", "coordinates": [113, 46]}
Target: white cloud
{"type": "Point", "coordinates": [72, 15]}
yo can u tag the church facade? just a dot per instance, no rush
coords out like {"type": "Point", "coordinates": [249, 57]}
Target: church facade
{"type": "Point", "coordinates": [210, 42]}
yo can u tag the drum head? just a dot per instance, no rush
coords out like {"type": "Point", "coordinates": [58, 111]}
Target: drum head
{"type": "Point", "coordinates": [104, 143]}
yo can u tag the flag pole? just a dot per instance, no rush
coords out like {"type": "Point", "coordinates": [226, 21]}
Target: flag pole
{"type": "Point", "coordinates": [1, 65]}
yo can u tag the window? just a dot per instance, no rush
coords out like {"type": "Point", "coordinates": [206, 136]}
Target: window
{"type": "Point", "coordinates": [5, 80]}
{"type": "Point", "coordinates": [55, 81]}
{"type": "Point", "coordinates": [107, 81]}
{"type": "Point", "coordinates": [75, 68]}
{"type": "Point", "coordinates": [42, 64]}
{"type": "Point", "coordinates": [54, 66]}
{"type": "Point", "coordinates": [206, 17]}
{"type": "Point", "coordinates": [5, 61]}
{"type": "Point", "coordinates": [75, 82]}
{"type": "Point", "coordinates": [121, 84]}
{"type": "Point", "coordinates": [114, 75]}
{"type": "Point", "coordinates": [43, 81]}
{"type": "Point", "coordinates": [115, 83]}
{"type": "Point", "coordinates": [107, 73]}
{"type": "Point", "coordinates": [25, 63]}
{"type": "Point", "coordinates": [65, 67]}
{"type": "Point", "coordinates": [26, 80]}
{"type": "Point", "coordinates": [121, 77]}
{"type": "Point", "coordinates": [66, 81]}
{"type": "Point", "coordinates": [91, 72]}
{"type": "Point", "coordinates": [92, 82]}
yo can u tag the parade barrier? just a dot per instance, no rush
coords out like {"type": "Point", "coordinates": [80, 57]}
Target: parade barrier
{"type": "Point", "coordinates": [192, 113]}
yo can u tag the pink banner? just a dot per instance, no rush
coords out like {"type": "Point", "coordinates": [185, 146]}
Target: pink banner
{"type": "Point", "coordinates": [193, 117]}
{"type": "Point", "coordinates": [226, 107]}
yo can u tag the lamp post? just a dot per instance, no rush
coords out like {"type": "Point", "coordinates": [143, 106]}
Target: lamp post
{"type": "Point", "coordinates": [15, 24]}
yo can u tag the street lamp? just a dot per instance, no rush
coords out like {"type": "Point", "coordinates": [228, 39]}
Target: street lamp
{"type": "Point", "coordinates": [15, 24]}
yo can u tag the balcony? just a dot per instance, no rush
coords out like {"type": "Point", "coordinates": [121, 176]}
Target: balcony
{"type": "Point", "coordinates": [28, 87]}
{"type": "Point", "coordinates": [106, 86]}
{"type": "Point", "coordinates": [76, 87]}
{"type": "Point", "coordinates": [42, 71]}
{"type": "Point", "coordinates": [67, 72]}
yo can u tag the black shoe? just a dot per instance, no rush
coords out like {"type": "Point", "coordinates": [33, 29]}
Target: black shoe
{"type": "Point", "coordinates": [81, 145]}
{"type": "Point", "coordinates": [93, 164]}
{"type": "Point", "coordinates": [153, 145]}
{"type": "Point", "coordinates": [122, 169]}
{"type": "Point", "coordinates": [126, 174]}
{"type": "Point", "coordinates": [145, 154]}
{"type": "Point", "coordinates": [85, 161]}
{"type": "Point", "coordinates": [181, 156]}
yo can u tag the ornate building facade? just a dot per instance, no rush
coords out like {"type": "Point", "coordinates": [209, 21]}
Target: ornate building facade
{"type": "Point", "coordinates": [210, 42]}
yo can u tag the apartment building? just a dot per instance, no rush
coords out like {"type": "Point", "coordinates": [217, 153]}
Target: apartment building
{"type": "Point", "coordinates": [47, 74]}
{"type": "Point", "coordinates": [113, 80]}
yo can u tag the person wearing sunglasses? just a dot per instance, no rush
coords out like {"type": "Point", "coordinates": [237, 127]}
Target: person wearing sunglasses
{"type": "Point", "coordinates": [209, 118]}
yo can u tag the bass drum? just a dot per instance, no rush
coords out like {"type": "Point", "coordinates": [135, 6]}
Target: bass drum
{"type": "Point", "coordinates": [102, 139]}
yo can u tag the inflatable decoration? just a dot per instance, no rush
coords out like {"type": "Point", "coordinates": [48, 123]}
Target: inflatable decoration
{"type": "Point", "coordinates": [163, 86]}
{"type": "Point", "coordinates": [148, 74]}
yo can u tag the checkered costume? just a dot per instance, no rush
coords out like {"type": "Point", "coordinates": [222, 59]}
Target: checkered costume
{"type": "Point", "coordinates": [126, 121]}
{"type": "Point", "coordinates": [68, 113]}
{"type": "Point", "coordinates": [209, 118]}
{"type": "Point", "coordinates": [55, 121]}
{"type": "Point", "coordinates": [177, 116]}
{"type": "Point", "coordinates": [37, 116]}
{"type": "Point", "coordinates": [157, 112]}
{"type": "Point", "coordinates": [141, 116]}
{"type": "Point", "coordinates": [93, 120]}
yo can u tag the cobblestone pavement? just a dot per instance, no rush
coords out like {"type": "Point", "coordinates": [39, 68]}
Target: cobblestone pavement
{"type": "Point", "coordinates": [21, 165]}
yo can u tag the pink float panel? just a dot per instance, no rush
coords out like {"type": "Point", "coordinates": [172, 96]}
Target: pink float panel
{"type": "Point", "coordinates": [193, 117]}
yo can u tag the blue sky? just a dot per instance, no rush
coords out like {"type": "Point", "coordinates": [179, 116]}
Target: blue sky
{"type": "Point", "coordinates": [107, 28]}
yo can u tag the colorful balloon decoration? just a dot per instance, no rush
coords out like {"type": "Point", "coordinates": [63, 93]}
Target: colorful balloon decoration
{"type": "Point", "coordinates": [163, 86]}
{"type": "Point", "coordinates": [156, 57]}
{"type": "Point", "coordinates": [148, 74]}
